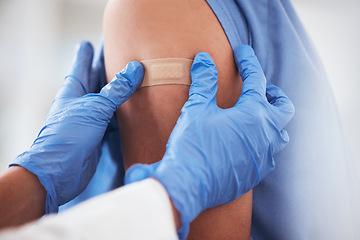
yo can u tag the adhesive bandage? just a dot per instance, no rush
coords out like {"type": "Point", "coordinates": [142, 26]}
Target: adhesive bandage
{"type": "Point", "coordinates": [165, 71]}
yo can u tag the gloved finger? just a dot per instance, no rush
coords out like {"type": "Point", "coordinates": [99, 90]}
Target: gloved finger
{"type": "Point", "coordinates": [76, 83]}
{"type": "Point", "coordinates": [123, 86]}
{"type": "Point", "coordinates": [282, 104]}
{"type": "Point", "coordinates": [250, 71]}
{"type": "Point", "coordinates": [138, 172]}
{"type": "Point", "coordinates": [98, 78]}
{"type": "Point", "coordinates": [281, 141]}
{"type": "Point", "coordinates": [204, 80]}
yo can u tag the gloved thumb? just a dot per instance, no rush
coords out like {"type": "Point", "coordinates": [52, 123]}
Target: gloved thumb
{"type": "Point", "coordinates": [138, 172]}
{"type": "Point", "coordinates": [204, 77]}
{"type": "Point", "coordinates": [124, 84]}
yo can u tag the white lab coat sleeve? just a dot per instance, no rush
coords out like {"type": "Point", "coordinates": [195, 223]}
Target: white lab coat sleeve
{"type": "Point", "coordinates": [140, 210]}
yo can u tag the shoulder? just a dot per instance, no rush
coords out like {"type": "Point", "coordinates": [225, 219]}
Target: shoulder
{"type": "Point", "coordinates": [136, 30]}
{"type": "Point", "coordinates": [167, 28]}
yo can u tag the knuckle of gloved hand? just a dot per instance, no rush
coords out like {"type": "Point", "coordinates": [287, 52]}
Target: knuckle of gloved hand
{"type": "Point", "coordinates": [277, 144]}
{"type": "Point", "coordinates": [101, 107]}
{"type": "Point", "coordinates": [59, 115]}
{"type": "Point", "coordinates": [290, 109]}
{"type": "Point", "coordinates": [284, 137]}
{"type": "Point", "coordinates": [100, 102]}
{"type": "Point", "coordinates": [283, 114]}
{"type": "Point", "coordinates": [124, 81]}
{"type": "Point", "coordinates": [128, 85]}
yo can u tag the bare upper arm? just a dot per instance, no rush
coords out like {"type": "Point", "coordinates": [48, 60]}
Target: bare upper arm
{"type": "Point", "coordinates": [148, 29]}
{"type": "Point", "coordinates": [169, 28]}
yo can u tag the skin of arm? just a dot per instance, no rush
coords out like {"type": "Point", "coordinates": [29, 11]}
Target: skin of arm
{"type": "Point", "coordinates": [149, 29]}
{"type": "Point", "coordinates": [22, 197]}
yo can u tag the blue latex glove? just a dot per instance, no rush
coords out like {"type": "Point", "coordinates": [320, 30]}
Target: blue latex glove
{"type": "Point", "coordinates": [110, 169]}
{"type": "Point", "coordinates": [216, 155]}
{"type": "Point", "coordinates": [65, 154]}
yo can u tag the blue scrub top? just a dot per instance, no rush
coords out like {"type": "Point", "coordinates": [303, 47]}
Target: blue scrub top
{"type": "Point", "coordinates": [308, 196]}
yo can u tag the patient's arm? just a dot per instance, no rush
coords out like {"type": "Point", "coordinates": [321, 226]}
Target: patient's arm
{"type": "Point", "coordinates": [148, 29]}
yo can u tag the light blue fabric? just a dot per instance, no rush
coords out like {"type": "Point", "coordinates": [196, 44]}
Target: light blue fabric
{"type": "Point", "coordinates": [307, 196]}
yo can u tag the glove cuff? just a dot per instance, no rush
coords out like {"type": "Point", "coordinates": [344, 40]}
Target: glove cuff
{"type": "Point", "coordinates": [139, 172]}
{"type": "Point", "coordinates": [182, 180]}
{"type": "Point", "coordinates": [51, 205]}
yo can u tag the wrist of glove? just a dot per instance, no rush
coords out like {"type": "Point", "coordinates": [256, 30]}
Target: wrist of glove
{"type": "Point", "coordinates": [215, 155]}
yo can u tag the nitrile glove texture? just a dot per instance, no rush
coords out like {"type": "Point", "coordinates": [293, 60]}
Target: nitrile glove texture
{"type": "Point", "coordinates": [65, 154]}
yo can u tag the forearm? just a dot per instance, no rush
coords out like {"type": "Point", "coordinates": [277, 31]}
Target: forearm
{"type": "Point", "coordinates": [137, 211]}
{"type": "Point", "coordinates": [22, 197]}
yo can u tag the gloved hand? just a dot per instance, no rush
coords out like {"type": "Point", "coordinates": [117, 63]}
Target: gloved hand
{"type": "Point", "coordinates": [215, 155]}
{"type": "Point", "coordinates": [65, 154]}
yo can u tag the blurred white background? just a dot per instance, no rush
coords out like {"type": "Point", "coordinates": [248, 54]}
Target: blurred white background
{"type": "Point", "coordinates": [333, 26]}
{"type": "Point", "coordinates": [37, 39]}
{"type": "Point", "coordinates": [36, 45]}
